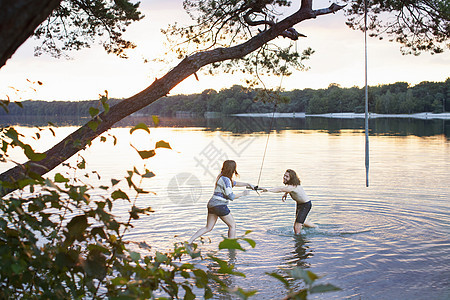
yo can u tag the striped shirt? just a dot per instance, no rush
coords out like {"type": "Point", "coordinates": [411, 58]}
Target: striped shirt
{"type": "Point", "coordinates": [223, 192]}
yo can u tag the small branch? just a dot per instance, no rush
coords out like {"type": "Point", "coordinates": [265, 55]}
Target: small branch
{"type": "Point", "coordinates": [330, 10]}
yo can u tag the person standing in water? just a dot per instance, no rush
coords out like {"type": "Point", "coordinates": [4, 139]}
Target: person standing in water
{"type": "Point", "coordinates": [218, 204]}
{"type": "Point", "coordinates": [292, 187]}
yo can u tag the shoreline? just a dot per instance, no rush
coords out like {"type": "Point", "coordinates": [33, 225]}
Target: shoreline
{"type": "Point", "coordinates": [423, 116]}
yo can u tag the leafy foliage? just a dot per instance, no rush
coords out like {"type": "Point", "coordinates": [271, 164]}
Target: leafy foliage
{"type": "Point", "coordinates": [76, 24]}
{"type": "Point", "coordinates": [59, 240]}
{"type": "Point", "coordinates": [420, 26]}
{"type": "Point", "coordinates": [224, 23]}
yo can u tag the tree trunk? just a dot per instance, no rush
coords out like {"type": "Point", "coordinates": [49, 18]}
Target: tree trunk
{"type": "Point", "coordinates": [18, 20]}
{"type": "Point", "coordinates": [159, 88]}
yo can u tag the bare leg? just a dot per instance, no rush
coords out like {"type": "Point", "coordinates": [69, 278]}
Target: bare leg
{"type": "Point", "coordinates": [229, 220]}
{"type": "Point", "coordinates": [309, 224]}
{"type": "Point", "coordinates": [211, 220]}
{"type": "Point", "coordinates": [297, 227]}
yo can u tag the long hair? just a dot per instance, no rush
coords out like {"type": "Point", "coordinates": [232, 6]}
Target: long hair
{"type": "Point", "coordinates": [228, 170]}
{"type": "Point", "coordinates": [293, 178]}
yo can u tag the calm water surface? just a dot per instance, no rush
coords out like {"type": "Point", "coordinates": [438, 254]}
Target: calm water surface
{"type": "Point", "coordinates": [386, 241]}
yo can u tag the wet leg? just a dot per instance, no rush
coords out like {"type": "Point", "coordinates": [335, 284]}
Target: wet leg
{"type": "Point", "coordinates": [297, 227]}
{"type": "Point", "coordinates": [210, 222]}
{"type": "Point", "coordinates": [229, 220]}
{"type": "Point", "coordinates": [309, 224]}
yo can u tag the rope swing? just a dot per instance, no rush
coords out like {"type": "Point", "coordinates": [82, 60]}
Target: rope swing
{"type": "Point", "coordinates": [366, 96]}
{"type": "Point", "coordinates": [366, 113]}
{"type": "Point", "coordinates": [267, 141]}
{"type": "Point", "coordinates": [271, 122]}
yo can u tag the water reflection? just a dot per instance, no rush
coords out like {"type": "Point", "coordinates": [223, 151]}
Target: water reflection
{"type": "Point", "coordinates": [239, 125]}
{"type": "Point", "coordinates": [300, 253]}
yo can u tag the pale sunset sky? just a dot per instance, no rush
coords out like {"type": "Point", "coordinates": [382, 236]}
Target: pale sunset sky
{"type": "Point", "coordinates": [339, 58]}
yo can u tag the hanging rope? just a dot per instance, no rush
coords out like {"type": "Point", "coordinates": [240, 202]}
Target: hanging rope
{"type": "Point", "coordinates": [271, 122]}
{"type": "Point", "coordinates": [366, 96]}
{"type": "Point", "coordinates": [267, 141]}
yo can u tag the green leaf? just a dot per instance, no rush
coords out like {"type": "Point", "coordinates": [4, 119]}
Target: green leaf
{"type": "Point", "coordinates": [192, 252]}
{"type": "Point", "coordinates": [140, 126]}
{"type": "Point", "coordinates": [93, 111]}
{"type": "Point", "coordinates": [230, 244]}
{"type": "Point", "coordinates": [60, 178]}
{"type": "Point", "coordinates": [156, 120]}
{"type": "Point", "coordinates": [135, 256]}
{"type": "Point", "coordinates": [82, 164]}
{"type": "Point", "coordinates": [146, 153]}
{"type": "Point", "coordinates": [245, 294]}
{"type": "Point", "coordinates": [148, 174]}
{"type": "Point", "coordinates": [323, 288]}
{"type": "Point", "coordinates": [98, 248]}
{"type": "Point", "coordinates": [77, 226]}
{"type": "Point", "coordinates": [251, 242]}
{"type": "Point", "coordinates": [98, 231]}
{"type": "Point", "coordinates": [119, 281]}
{"type": "Point", "coordinates": [136, 171]}
{"type": "Point", "coordinates": [308, 276]}
{"type": "Point", "coordinates": [225, 268]}
{"type": "Point", "coordinates": [144, 245]}
{"type": "Point", "coordinates": [65, 260]}
{"type": "Point", "coordinates": [93, 125]}
{"type": "Point", "coordinates": [188, 295]}
{"type": "Point", "coordinates": [106, 107]}
{"type": "Point", "coordinates": [104, 101]}
{"type": "Point", "coordinates": [114, 181]}
{"type": "Point", "coordinates": [134, 213]}
{"type": "Point", "coordinates": [34, 156]}
{"type": "Point", "coordinates": [159, 257]}
{"type": "Point", "coordinates": [12, 134]}
{"type": "Point", "coordinates": [299, 295]}
{"type": "Point", "coordinates": [17, 268]}
{"type": "Point", "coordinates": [163, 144]}
{"type": "Point", "coordinates": [95, 264]}
{"type": "Point", "coordinates": [119, 194]}
{"type": "Point", "coordinates": [208, 293]}
{"type": "Point", "coordinates": [201, 277]}
{"type": "Point", "coordinates": [280, 278]}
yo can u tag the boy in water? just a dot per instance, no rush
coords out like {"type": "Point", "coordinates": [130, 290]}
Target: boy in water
{"type": "Point", "coordinates": [295, 190]}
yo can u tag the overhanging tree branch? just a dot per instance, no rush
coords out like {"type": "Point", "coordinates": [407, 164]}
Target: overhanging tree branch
{"type": "Point", "coordinates": [159, 88]}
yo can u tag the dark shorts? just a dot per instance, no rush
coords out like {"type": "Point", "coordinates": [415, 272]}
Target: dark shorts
{"type": "Point", "coordinates": [302, 211]}
{"type": "Point", "coordinates": [220, 210]}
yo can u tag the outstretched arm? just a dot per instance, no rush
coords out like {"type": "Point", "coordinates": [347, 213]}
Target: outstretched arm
{"type": "Point", "coordinates": [280, 189]}
{"type": "Point", "coordinates": [229, 190]}
{"type": "Point", "coordinates": [242, 194]}
{"type": "Point", "coordinates": [243, 184]}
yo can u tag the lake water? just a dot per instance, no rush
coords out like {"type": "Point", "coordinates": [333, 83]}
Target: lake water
{"type": "Point", "coordinates": [390, 240]}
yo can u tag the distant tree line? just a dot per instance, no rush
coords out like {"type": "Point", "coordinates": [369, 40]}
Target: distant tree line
{"type": "Point", "coordinates": [396, 98]}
